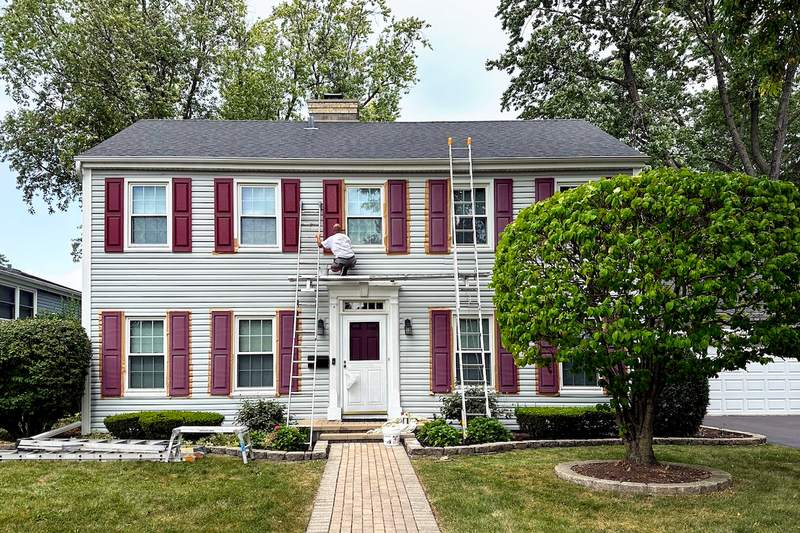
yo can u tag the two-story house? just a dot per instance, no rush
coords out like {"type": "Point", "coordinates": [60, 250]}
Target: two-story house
{"type": "Point", "coordinates": [191, 237]}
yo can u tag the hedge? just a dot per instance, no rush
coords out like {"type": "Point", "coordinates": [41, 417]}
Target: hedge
{"type": "Point", "coordinates": [157, 424]}
{"type": "Point", "coordinates": [566, 422]}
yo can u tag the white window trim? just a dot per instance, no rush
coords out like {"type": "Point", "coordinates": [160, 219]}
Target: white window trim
{"type": "Point", "coordinates": [255, 391]}
{"type": "Point", "coordinates": [238, 183]}
{"type": "Point", "coordinates": [129, 392]}
{"type": "Point", "coordinates": [491, 348]}
{"type": "Point", "coordinates": [488, 185]}
{"type": "Point", "coordinates": [17, 289]}
{"type": "Point", "coordinates": [128, 212]}
{"type": "Point", "coordinates": [381, 185]}
{"type": "Point", "coordinates": [576, 389]}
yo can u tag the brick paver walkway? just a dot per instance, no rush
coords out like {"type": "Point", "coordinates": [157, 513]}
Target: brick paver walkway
{"type": "Point", "coordinates": [370, 487]}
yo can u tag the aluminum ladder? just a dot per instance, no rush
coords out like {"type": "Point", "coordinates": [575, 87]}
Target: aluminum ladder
{"type": "Point", "coordinates": [467, 182]}
{"type": "Point", "coordinates": [314, 210]}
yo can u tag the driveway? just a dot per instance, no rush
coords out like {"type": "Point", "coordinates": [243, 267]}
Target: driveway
{"type": "Point", "coordinates": [779, 429]}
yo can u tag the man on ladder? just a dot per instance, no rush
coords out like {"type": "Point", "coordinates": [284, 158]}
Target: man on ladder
{"type": "Point", "coordinates": [344, 258]}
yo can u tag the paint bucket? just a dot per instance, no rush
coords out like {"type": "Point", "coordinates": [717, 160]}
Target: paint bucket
{"type": "Point", "coordinates": [391, 436]}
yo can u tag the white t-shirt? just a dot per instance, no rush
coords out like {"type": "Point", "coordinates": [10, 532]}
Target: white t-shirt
{"type": "Point", "coordinates": [340, 245]}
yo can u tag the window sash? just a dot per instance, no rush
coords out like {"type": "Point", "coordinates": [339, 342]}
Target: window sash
{"type": "Point", "coordinates": [146, 371]}
{"type": "Point", "coordinates": [146, 354]}
{"type": "Point", "coordinates": [462, 207]}
{"type": "Point", "coordinates": [255, 353]}
{"type": "Point", "coordinates": [577, 379]}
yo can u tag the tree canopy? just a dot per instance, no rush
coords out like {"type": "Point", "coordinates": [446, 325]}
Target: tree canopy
{"type": "Point", "coordinates": [636, 277]}
{"type": "Point", "coordinates": [79, 71]}
{"type": "Point", "coordinates": [708, 84]}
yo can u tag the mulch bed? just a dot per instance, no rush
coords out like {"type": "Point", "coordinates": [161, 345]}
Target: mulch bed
{"type": "Point", "coordinates": [623, 471]}
{"type": "Point", "coordinates": [702, 433]}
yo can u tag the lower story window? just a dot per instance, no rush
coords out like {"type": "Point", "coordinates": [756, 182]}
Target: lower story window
{"type": "Point", "coordinates": [25, 304]}
{"type": "Point", "coordinates": [255, 356]}
{"type": "Point", "coordinates": [572, 378]}
{"type": "Point", "coordinates": [146, 359]}
{"type": "Point", "coordinates": [7, 301]}
{"type": "Point", "coordinates": [470, 347]}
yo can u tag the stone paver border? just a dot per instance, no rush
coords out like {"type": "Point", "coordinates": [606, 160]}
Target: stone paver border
{"type": "Point", "coordinates": [415, 449]}
{"type": "Point", "coordinates": [319, 452]}
{"type": "Point", "coordinates": [719, 480]}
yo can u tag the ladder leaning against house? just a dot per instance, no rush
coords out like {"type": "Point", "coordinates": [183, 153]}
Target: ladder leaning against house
{"type": "Point", "coordinates": [472, 305]}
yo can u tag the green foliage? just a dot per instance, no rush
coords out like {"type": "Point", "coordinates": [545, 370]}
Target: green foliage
{"type": "Point", "coordinates": [635, 277]}
{"type": "Point", "coordinates": [438, 433]}
{"type": "Point", "coordinates": [5, 435]}
{"type": "Point", "coordinates": [157, 424]}
{"type": "Point", "coordinates": [476, 403]}
{"type": "Point", "coordinates": [260, 415]}
{"type": "Point", "coordinates": [566, 422]}
{"type": "Point", "coordinates": [482, 429]}
{"type": "Point", "coordinates": [681, 407]}
{"type": "Point", "coordinates": [43, 364]}
{"type": "Point", "coordinates": [288, 439]}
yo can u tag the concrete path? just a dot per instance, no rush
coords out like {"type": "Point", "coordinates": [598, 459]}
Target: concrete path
{"type": "Point", "coordinates": [370, 487]}
{"type": "Point", "coordinates": [779, 429]}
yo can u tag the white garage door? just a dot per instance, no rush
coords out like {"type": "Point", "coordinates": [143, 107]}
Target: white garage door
{"type": "Point", "coordinates": [770, 389]}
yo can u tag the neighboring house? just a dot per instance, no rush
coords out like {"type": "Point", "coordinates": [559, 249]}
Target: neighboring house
{"type": "Point", "coordinates": [23, 295]}
{"type": "Point", "coordinates": [191, 237]}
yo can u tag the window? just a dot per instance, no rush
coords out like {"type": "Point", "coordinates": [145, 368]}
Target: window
{"type": "Point", "coordinates": [364, 215]}
{"type": "Point", "coordinates": [563, 188]}
{"type": "Point", "coordinates": [149, 214]}
{"type": "Point", "coordinates": [470, 345]}
{"type": "Point", "coordinates": [7, 302]}
{"type": "Point", "coordinates": [362, 306]}
{"type": "Point", "coordinates": [577, 379]}
{"type": "Point", "coordinates": [462, 205]}
{"type": "Point", "coordinates": [25, 304]}
{"type": "Point", "coordinates": [258, 221]}
{"type": "Point", "coordinates": [146, 357]}
{"type": "Point", "coordinates": [255, 354]}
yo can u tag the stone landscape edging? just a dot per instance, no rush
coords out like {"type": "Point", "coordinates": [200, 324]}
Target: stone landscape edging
{"type": "Point", "coordinates": [414, 448]}
{"type": "Point", "coordinates": [719, 480]}
{"type": "Point", "coordinates": [319, 452]}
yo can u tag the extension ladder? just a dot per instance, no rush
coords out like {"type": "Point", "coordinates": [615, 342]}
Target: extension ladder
{"type": "Point", "coordinates": [467, 182]}
{"type": "Point", "coordinates": [313, 210]}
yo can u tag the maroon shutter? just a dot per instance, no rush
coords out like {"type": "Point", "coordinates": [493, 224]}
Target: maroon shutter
{"type": "Point", "coordinates": [182, 215]}
{"type": "Point", "coordinates": [438, 213]}
{"type": "Point", "coordinates": [111, 324]}
{"type": "Point", "coordinates": [507, 372]}
{"type": "Point", "coordinates": [545, 188]}
{"type": "Point", "coordinates": [290, 202]}
{"type": "Point", "coordinates": [398, 218]}
{"type": "Point", "coordinates": [223, 215]}
{"type": "Point", "coordinates": [331, 205]}
{"type": "Point", "coordinates": [179, 353]}
{"type": "Point", "coordinates": [114, 222]}
{"type": "Point", "coordinates": [503, 206]}
{"type": "Point", "coordinates": [221, 340]}
{"type": "Point", "coordinates": [547, 376]}
{"type": "Point", "coordinates": [286, 329]}
{"type": "Point", "coordinates": [441, 351]}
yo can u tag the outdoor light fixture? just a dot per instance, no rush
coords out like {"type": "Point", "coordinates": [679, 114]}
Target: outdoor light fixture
{"type": "Point", "coordinates": [407, 326]}
{"type": "Point", "coordinates": [321, 327]}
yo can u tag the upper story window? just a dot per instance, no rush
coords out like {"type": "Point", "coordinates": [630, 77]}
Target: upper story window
{"type": "Point", "coordinates": [365, 215]}
{"type": "Point", "coordinates": [258, 221]}
{"type": "Point", "coordinates": [16, 303]}
{"type": "Point", "coordinates": [570, 378]}
{"type": "Point", "coordinates": [149, 214]}
{"type": "Point", "coordinates": [146, 354]}
{"type": "Point", "coordinates": [462, 206]}
{"type": "Point", "coordinates": [255, 354]}
{"type": "Point", "coordinates": [470, 346]}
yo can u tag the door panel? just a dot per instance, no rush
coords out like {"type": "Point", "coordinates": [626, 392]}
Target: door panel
{"type": "Point", "coordinates": [364, 341]}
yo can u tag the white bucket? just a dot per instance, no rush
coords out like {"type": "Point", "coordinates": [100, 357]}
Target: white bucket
{"type": "Point", "coordinates": [391, 436]}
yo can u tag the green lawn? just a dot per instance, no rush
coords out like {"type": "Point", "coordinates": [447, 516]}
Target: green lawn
{"type": "Point", "coordinates": [214, 494]}
{"type": "Point", "coordinates": [518, 491]}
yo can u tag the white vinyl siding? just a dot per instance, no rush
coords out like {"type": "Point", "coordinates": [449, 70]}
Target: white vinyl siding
{"type": "Point", "coordinates": [364, 215]}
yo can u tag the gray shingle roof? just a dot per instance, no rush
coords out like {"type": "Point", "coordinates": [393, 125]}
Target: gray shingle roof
{"type": "Point", "coordinates": [360, 140]}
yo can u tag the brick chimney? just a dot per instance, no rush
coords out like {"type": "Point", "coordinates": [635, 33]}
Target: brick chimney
{"type": "Point", "coordinates": [333, 107]}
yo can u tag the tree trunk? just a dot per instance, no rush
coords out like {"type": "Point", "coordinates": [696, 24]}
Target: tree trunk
{"type": "Point", "coordinates": [638, 422]}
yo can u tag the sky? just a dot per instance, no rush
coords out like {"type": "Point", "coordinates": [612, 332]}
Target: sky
{"type": "Point", "coordinates": [453, 85]}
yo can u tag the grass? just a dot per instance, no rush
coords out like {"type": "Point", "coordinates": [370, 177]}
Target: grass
{"type": "Point", "coordinates": [518, 491]}
{"type": "Point", "coordinates": [214, 494]}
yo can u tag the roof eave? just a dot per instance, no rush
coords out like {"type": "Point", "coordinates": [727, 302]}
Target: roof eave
{"type": "Point", "coordinates": [38, 282]}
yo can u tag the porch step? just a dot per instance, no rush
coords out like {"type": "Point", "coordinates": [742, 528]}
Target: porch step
{"type": "Point", "coordinates": [330, 427]}
{"type": "Point", "coordinates": [356, 437]}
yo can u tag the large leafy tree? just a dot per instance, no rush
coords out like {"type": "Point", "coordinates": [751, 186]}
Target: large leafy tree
{"type": "Point", "coordinates": [709, 84]}
{"type": "Point", "coordinates": [311, 47]}
{"type": "Point", "coordinates": [636, 277]}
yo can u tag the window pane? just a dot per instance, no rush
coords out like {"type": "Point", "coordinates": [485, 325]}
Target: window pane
{"type": "Point", "coordinates": [258, 201]}
{"type": "Point", "coordinates": [6, 310]}
{"type": "Point", "coordinates": [255, 371]}
{"type": "Point", "coordinates": [255, 336]}
{"type": "Point", "coordinates": [7, 295]}
{"type": "Point", "coordinates": [26, 298]}
{"type": "Point", "coordinates": [363, 201]}
{"type": "Point", "coordinates": [577, 379]}
{"type": "Point", "coordinates": [149, 230]}
{"type": "Point", "coordinates": [464, 230]}
{"type": "Point", "coordinates": [149, 199]}
{"type": "Point", "coordinates": [25, 312]}
{"type": "Point", "coordinates": [365, 230]}
{"type": "Point", "coordinates": [259, 231]}
{"type": "Point", "coordinates": [147, 336]}
{"type": "Point", "coordinates": [146, 372]}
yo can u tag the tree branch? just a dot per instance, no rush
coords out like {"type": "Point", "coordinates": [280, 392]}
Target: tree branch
{"type": "Point", "coordinates": [782, 121]}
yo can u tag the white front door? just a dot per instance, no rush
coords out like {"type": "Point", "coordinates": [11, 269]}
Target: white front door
{"type": "Point", "coordinates": [364, 364]}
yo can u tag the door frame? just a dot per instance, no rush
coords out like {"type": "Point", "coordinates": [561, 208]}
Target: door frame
{"type": "Point", "coordinates": [363, 316]}
{"type": "Point", "coordinates": [386, 292]}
